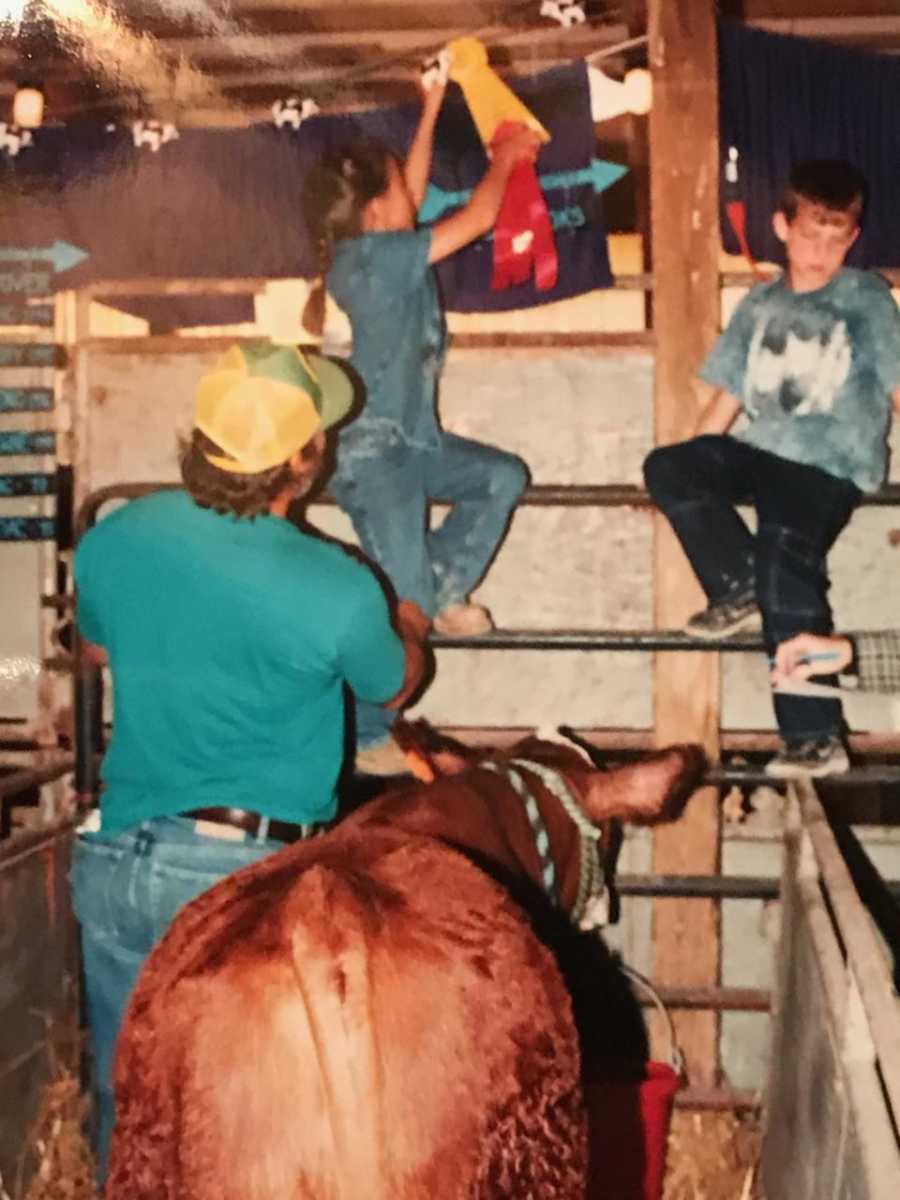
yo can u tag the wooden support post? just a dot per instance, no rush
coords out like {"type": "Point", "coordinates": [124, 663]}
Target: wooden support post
{"type": "Point", "coordinates": [635, 15]}
{"type": "Point", "coordinates": [684, 225]}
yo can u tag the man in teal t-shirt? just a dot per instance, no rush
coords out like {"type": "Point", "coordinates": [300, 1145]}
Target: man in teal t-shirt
{"type": "Point", "coordinates": [230, 641]}
{"type": "Point", "coordinates": [231, 636]}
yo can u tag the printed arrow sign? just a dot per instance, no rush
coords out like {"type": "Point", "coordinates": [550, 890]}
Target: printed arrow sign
{"type": "Point", "coordinates": [600, 174]}
{"type": "Point", "coordinates": [63, 255]}
{"type": "Point", "coordinates": [27, 529]}
{"type": "Point", "coordinates": [12, 313]}
{"type": "Point", "coordinates": [25, 399]}
{"type": "Point", "coordinates": [33, 484]}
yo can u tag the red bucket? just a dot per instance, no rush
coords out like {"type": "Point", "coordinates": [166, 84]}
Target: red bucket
{"type": "Point", "coordinates": [628, 1125]}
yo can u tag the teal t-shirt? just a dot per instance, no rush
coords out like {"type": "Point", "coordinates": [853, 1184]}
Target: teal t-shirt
{"type": "Point", "coordinates": [385, 284]}
{"type": "Point", "coordinates": [229, 641]}
{"type": "Point", "coordinates": [815, 372]}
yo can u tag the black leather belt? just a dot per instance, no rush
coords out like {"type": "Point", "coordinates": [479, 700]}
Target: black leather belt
{"type": "Point", "coordinates": [250, 822]}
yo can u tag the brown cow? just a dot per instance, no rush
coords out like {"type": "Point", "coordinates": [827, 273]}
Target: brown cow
{"type": "Point", "coordinates": [370, 1015]}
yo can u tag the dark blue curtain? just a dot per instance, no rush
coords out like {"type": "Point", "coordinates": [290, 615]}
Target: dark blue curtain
{"type": "Point", "coordinates": [227, 203]}
{"type": "Point", "coordinates": [784, 99]}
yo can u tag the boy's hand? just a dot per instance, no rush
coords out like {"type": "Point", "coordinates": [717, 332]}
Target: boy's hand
{"type": "Point", "coordinates": [811, 654]}
{"type": "Point", "coordinates": [521, 145]}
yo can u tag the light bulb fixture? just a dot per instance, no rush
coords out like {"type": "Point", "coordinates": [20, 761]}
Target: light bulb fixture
{"type": "Point", "coordinates": [610, 97]}
{"type": "Point", "coordinates": [12, 12]}
{"type": "Point", "coordinates": [639, 90]}
{"type": "Point", "coordinates": [28, 106]}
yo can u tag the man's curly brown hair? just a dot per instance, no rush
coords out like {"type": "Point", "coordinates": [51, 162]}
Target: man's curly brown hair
{"type": "Point", "coordinates": [227, 493]}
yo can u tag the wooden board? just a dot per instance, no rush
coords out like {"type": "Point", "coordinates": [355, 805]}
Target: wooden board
{"type": "Point", "coordinates": [684, 226]}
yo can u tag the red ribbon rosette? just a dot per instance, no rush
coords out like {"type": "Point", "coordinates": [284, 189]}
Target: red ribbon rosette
{"type": "Point", "coordinates": [523, 233]}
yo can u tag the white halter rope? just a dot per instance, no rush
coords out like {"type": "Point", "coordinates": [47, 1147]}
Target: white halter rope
{"type": "Point", "coordinates": [591, 907]}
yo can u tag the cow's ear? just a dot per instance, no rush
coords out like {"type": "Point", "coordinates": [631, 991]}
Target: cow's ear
{"type": "Point", "coordinates": [654, 789]}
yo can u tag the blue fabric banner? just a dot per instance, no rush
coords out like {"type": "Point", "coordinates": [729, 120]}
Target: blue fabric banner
{"type": "Point", "coordinates": [226, 203]}
{"type": "Point", "coordinates": [784, 99]}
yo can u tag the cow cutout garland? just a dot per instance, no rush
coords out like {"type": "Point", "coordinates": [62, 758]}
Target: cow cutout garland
{"type": "Point", "coordinates": [435, 70]}
{"type": "Point", "coordinates": [567, 12]}
{"type": "Point", "coordinates": [153, 134]}
{"type": "Point", "coordinates": [14, 139]}
{"type": "Point", "coordinates": [293, 111]}
{"type": "Point", "coordinates": [523, 234]}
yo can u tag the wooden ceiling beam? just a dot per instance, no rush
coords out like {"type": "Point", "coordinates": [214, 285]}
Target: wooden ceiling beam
{"type": "Point", "coordinates": [271, 48]}
{"type": "Point", "coordinates": [353, 15]}
{"type": "Point", "coordinates": [753, 10]}
{"type": "Point", "coordinates": [870, 29]}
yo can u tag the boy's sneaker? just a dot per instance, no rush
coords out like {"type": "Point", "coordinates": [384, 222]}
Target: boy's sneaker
{"type": "Point", "coordinates": [725, 617]}
{"type": "Point", "coordinates": [812, 759]}
{"type": "Point", "coordinates": [463, 620]}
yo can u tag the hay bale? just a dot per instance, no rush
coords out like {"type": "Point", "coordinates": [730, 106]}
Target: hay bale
{"type": "Point", "coordinates": [713, 1156]}
{"type": "Point", "coordinates": [57, 1162]}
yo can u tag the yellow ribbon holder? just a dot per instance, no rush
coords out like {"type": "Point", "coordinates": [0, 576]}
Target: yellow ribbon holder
{"type": "Point", "coordinates": [490, 101]}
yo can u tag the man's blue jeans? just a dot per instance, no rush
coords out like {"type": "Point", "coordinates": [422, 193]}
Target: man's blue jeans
{"type": "Point", "coordinates": [800, 511]}
{"type": "Point", "coordinates": [126, 890]}
{"type": "Point", "coordinates": [386, 495]}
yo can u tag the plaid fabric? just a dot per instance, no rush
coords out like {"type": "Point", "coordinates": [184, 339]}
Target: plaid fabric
{"type": "Point", "coordinates": [878, 660]}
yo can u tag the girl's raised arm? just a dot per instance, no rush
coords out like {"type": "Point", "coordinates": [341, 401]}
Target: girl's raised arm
{"type": "Point", "coordinates": [483, 208]}
{"type": "Point", "coordinates": [417, 167]}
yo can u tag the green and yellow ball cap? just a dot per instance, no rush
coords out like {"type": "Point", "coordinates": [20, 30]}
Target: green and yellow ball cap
{"type": "Point", "coordinates": [262, 403]}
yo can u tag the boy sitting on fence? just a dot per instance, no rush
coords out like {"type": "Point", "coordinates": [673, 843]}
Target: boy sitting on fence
{"type": "Point", "coordinates": [813, 360]}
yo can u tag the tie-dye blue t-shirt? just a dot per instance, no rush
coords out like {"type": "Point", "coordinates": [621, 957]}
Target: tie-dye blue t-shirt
{"type": "Point", "coordinates": [814, 372]}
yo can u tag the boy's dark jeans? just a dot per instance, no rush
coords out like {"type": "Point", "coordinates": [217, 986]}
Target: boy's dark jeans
{"type": "Point", "coordinates": [800, 511]}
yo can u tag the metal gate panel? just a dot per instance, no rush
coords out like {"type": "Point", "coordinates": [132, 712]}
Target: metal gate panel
{"type": "Point", "coordinates": [38, 952]}
{"type": "Point", "coordinates": [831, 1113]}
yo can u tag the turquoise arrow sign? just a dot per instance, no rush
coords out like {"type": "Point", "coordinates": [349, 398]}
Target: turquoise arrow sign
{"type": "Point", "coordinates": [63, 255]}
{"type": "Point", "coordinates": [35, 484]}
{"type": "Point", "coordinates": [27, 442]}
{"type": "Point", "coordinates": [25, 399]}
{"type": "Point", "coordinates": [27, 529]}
{"type": "Point", "coordinates": [600, 173]}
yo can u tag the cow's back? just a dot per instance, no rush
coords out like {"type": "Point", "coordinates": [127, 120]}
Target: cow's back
{"type": "Point", "coordinates": [378, 1023]}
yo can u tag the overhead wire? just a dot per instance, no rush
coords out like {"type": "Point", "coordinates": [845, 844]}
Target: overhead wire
{"type": "Point", "coordinates": [488, 33]}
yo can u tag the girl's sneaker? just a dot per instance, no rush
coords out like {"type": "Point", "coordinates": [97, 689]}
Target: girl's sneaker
{"type": "Point", "coordinates": [463, 620]}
